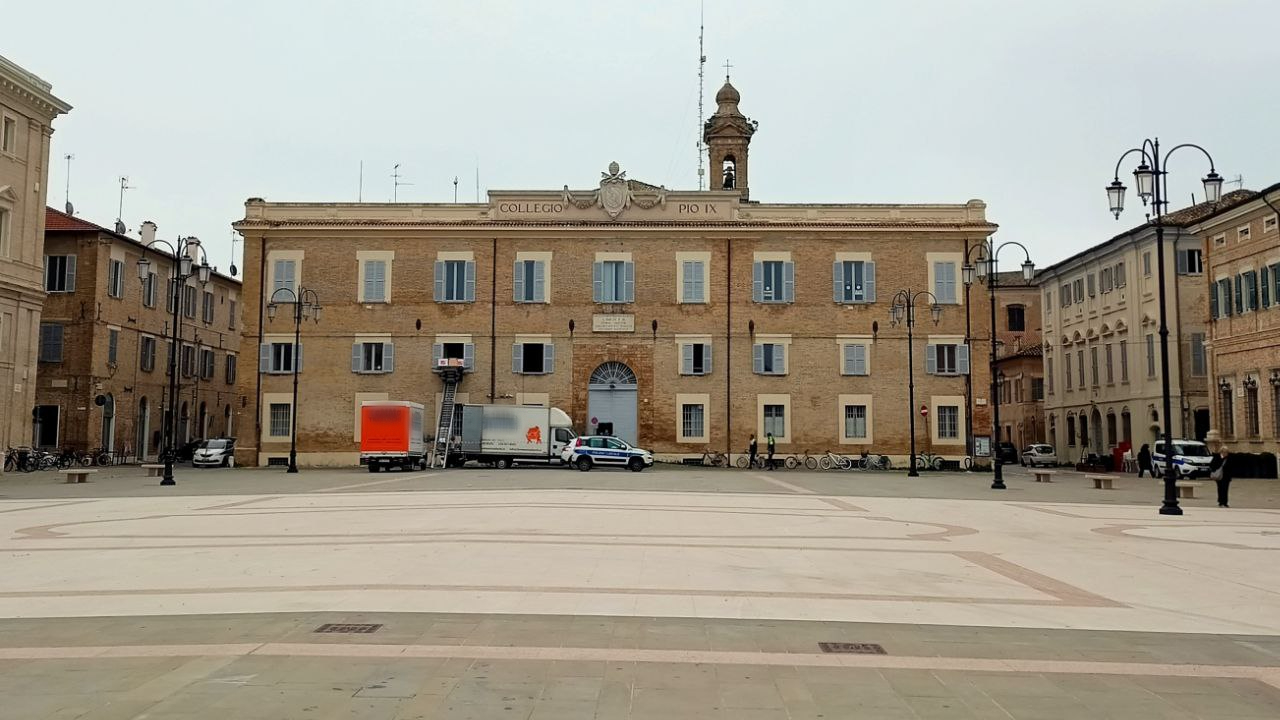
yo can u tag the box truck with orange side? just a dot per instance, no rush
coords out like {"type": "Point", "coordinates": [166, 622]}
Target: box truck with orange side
{"type": "Point", "coordinates": [391, 435]}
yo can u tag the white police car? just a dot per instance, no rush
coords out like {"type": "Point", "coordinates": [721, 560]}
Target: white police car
{"type": "Point", "coordinates": [1190, 458]}
{"type": "Point", "coordinates": [587, 451]}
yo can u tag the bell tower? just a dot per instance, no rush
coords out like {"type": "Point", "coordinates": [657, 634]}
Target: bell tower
{"type": "Point", "coordinates": [727, 134]}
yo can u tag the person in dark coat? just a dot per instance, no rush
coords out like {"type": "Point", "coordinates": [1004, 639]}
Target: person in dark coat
{"type": "Point", "coordinates": [1144, 461]}
{"type": "Point", "coordinates": [1220, 473]}
{"type": "Point", "coordinates": [771, 446]}
{"type": "Point", "coordinates": [753, 451]}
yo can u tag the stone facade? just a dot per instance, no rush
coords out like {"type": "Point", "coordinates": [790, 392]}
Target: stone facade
{"type": "Point", "coordinates": [1242, 260]}
{"type": "Point", "coordinates": [1102, 344]}
{"type": "Point", "coordinates": [27, 110]}
{"type": "Point", "coordinates": [657, 237]}
{"type": "Point", "coordinates": [105, 383]}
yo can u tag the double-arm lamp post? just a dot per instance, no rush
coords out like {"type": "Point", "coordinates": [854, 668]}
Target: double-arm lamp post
{"type": "Point", "coordinates": [306, 304]}
{"type": "Point", "coordinates": [904, 311]}
{"type": "Point", "coordinates": [1153, 186]}
{"type": "Point", "coordinates": [984, 268]}
{"type": "Point", "coordinates": [184, 268]}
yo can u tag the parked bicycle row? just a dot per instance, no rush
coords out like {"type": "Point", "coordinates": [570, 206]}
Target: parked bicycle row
{"type": "Point", "coordinates": [830, 461]}
{"type": "Point", "coordinates": [32, 459]}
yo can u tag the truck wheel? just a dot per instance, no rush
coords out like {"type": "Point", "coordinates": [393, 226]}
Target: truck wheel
{"type": "Point", "coordinates": [502, 463]}
{"type": "Point", "coordinates": [584, 463]}
{"type": "Point", "coordinates": [635, 464]}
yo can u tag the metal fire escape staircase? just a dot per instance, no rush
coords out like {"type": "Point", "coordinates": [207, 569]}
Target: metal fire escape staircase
{"type": "Point", "coordinates": [444, 431]}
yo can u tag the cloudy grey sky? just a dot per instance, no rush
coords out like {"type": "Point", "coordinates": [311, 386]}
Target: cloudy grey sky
{"type": "Point", "coordinates": [1025, 104]}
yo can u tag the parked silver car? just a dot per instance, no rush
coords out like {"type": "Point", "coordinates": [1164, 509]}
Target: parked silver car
{"type": "Point", "coordinates": [1039, 454]}
{"type": "Point", "coordinates": [215, 452]}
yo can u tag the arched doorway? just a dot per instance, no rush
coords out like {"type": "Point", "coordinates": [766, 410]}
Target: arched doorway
{"type": "Point", "coordinates": [202, 422]}
{"type": "Point", "coordinates": [143, 428]}
{"type": "Point", "coordinates": [226, 420]}
{"type": "Point", "coordinates": [1095, 444]}
{"type": "Point", "coordinates": [109, 423]}
{"type": "Point", "coordinates": [611, 401]}
{"type": "Point", "coordinates": [184, 424]}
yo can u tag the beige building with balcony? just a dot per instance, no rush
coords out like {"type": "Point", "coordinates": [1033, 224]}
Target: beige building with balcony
{"type": "Point", "coordinates": [1242, 275]}
{"type": "Point", "coordinates": [681, 320]}
{"type": "Point", "coordinates": [1102, 345]}
{"type": "Point", "coordinates": [27, 110]}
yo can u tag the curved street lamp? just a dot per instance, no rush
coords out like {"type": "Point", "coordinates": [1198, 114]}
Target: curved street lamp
{"type": "Point", "coordinates": [985, 269]}
{"type": "Point", "coordinates": [1153, 187]}
{"type": "Point", "coordinates": [306, 305]}
{"type": "Point", "coordinates": [185, 267]}
{"type": "Point", "coordinates": [902, 311]}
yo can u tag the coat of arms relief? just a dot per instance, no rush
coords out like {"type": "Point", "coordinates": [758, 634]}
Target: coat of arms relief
{"type": "Point", "coordinates": [616, 194]}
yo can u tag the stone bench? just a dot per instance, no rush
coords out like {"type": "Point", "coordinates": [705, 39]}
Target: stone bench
{"type": "Point", "coordinates": [1044, 476]}
{"type": "Point", "coordinates": [1101, 482]}
{"type": "Point", "coordinates": [1186, 488]}
{"type": "Point", "coordinates": [153, 469]}
{"type": "Point", "coordinates": [78, 475]}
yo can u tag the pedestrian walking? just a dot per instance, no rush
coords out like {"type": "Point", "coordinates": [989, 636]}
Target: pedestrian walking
{"type": "Point", "coordinates": [1144, 461]}
{"type": "Point", "coordinates": [1220, 473]}
{"type": "Point", "coordinates": [771, 445]}
{"type": "Point", "coordinates": [753, 452]}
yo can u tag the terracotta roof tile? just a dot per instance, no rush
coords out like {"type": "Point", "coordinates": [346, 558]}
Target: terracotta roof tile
{"type": "Point", "coordinates": [58, 220]}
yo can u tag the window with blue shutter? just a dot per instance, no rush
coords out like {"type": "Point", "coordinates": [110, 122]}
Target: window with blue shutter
{"type": "Point", "coordinates": [944, 282]}
{"type": "Point", "coordinates": [853, 281]}
{"type": "Point", "coordinates": [1213, 301]}
{"type": "Point", "coordinates": [375, 281]}
{"type": "Point", "coordinates": [613, 281]}
{"type": "Point", "coordinates": [693, 277]}
{"type": "Point", "coordinates": [529, 281]}
{"type": "Point", "coordinates": [776, 281]}
{"type": "Point", "coordinates": [855, 359]}
{"type": "Point", "coordinates": [455, 281]}
{"type": "Point", "coordinates": [1239, 295]}
{"type": "Point", "coordinates": [769, 359]}
{"type": "Point", "coordinates": [1264, 284]}
{"type": "Point", "coordinates": [695, 358]}
{"type": "Point", "coordinates": [532, 358]}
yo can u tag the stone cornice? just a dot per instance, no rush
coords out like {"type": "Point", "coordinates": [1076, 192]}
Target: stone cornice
{"type": "Point", "coordinates": [29, 88]}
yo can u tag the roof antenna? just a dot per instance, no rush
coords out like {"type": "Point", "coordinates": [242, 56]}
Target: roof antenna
{"type": "Point", "coordinates": [235, 238]}
{"type": "Point", "coordinates": [360, 187]}
{"type": "Point", "coordinates": [455, 189]}
{"type": "Point", "coordinates": [702, 63]}
{"type": "Point", "coordinates": [395, 183]}
{"type": "Point", "coordinates": [71, 209]}
{"type": "Point", "coordinates": [124, 185]}
{"type": "Point", "coordinates": [1238, 181]}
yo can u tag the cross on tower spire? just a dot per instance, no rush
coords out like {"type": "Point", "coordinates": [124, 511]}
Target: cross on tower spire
{"type": "Point", "coordinates": [726, 69]}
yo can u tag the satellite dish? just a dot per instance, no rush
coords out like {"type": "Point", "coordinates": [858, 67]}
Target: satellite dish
{"type": "Point", "coordinates": [233, 269]}
{"type": "Point", "coordinates": [120, 228]}
{"type": "Point", "coordinates": [71, 209]}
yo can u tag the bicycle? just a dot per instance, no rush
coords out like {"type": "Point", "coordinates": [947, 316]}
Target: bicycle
{"type": "Point", "coordinates": [715, 458]}
{"type": "Point", "coordinates": [832, 460]}
{"type": "Point", "coordinates": [744, 461]}
{"type": "Point", "coordinates": [22, 459]}
{"type": "Point", "coordinates": [876, 461]}
{"type": "Point", "coordinates": [928, 461]}
{"type": "Point", "coordinates": [809, 461]}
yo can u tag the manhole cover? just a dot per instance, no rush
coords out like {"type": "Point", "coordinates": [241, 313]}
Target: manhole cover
{"type": "Point", "coordinates": [851, 648]}
{"type": "Point", "coordinates": [348, 628]}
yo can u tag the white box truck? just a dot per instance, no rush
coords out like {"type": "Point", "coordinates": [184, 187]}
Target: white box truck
{"type": "Point", "coordinates": [391, 435]}
{"type": "Point", "coordinates": [503, 435]}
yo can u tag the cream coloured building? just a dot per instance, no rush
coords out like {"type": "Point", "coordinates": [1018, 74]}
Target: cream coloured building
{"type": "Point", "coordinates": [27, 110]}
{"type": "Point", "coordinates": [1102, 384]}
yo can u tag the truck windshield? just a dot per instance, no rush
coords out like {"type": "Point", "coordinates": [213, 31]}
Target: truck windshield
{"type": "Point", "coordinates": [1194, 449]}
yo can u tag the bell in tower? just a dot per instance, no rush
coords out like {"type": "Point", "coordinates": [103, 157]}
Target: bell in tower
{"type": "Point", "coordinates": [727, 134]}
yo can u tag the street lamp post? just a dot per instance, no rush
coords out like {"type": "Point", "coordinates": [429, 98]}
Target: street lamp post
{"type": "Point", "coordinates": [185, 267]}
{"type": "Point", "coordinates": [985, 268]}
{"type": "Point", "coordinates": [306, 304]}
{"type": "Point", "coordinates": [904, 311]}
{"type": "Point", "coordinates": [1153, 185]}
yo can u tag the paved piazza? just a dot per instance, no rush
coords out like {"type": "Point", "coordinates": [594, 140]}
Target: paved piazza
{"type": "Point", "coordinates": [674, 593]}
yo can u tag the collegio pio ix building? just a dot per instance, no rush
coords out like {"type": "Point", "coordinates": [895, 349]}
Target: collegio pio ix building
{"type": "Point", "coordinates": [680, 320]}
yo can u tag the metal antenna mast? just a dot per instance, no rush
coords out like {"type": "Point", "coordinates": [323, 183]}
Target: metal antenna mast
{"type": "Point", "coordinates": [455, 189]}
{"type": "Point", "coordinates": [360, 187]}
{"type": "Point", "coordinates": [702, 63]}
{"type": "Point", "coordinates": [124, 185]}
{"type": "Point", "coordinates": [69, 207]}
{"type": "Point", "coordinates": [395, 182]}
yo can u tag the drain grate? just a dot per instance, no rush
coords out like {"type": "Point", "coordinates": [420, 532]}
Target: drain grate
{"type": "Point", "coordinates": [852, 648]}
{"type": "Point", "coordinates": [348, 628]}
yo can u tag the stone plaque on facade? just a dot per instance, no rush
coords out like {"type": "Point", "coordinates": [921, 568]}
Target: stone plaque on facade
{"type": "Point", "coordinates": [613, 323]}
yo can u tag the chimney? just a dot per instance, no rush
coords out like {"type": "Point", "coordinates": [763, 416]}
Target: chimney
{"type": "Point", "coordinates": [147, 232]}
